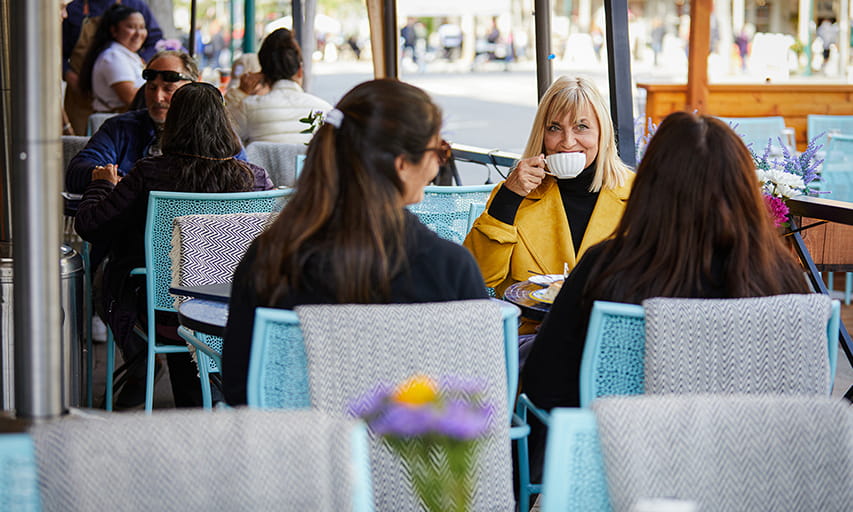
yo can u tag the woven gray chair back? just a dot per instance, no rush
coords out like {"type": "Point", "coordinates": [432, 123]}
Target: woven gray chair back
{"type": "Point", "coordinates": [728, 453]}
{"type": "Point", "coordinates": [352, 348]}
{"type": "Point", "coordinates": [228, 460]}
{"type": "Point", "coordinates": [71, 145]}
{"type": "Point", "coordinates": [756, 345]}
{"type": "Point", "coordinates": [278, 158]}
{"type": "Point", "coordinates": [207, 248]}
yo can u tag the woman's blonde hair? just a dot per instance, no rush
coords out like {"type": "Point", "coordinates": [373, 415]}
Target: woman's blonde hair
{"type": "Point", "coordinates": [569, 96]}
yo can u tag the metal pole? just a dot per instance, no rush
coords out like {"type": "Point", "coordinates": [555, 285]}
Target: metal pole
{"type": "Point", "coordinates": [389, 35]}
{"type": "Point", "coordinates": [36, 173]}
{"type": "Point", "coordinates": [249, 29]}
{"type": "Point", "coordinates": [192, 28]}
{"type": "Point", "coordinates": [619, 73]}
{"type": "Point", "coordinates": [544, 70]}
{"type": "Point", "coordinates": [5, 123]}
{"type": "Point", "coordinates": [296, 14]}
{"type": "Point", "coordinates": [232, 16]}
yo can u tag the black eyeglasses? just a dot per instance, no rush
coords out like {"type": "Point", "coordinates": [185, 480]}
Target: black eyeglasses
{"type": "Point", "coordinates": [168, 75]}
{"type": "Point", "coordinates": [443, 151]}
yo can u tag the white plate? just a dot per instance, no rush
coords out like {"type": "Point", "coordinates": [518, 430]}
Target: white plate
{"type": "Point", "coordinates": [545, 279]}
{"type": "Point", "coordinates": [539, 295]}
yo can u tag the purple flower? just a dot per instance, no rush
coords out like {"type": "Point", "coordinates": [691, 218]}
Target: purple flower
{"type": "Point", "coordinates": [404, 421]}
{"type": "Point", "coordinates": [369, 405]}
{"type": "Point", "coordinates": [462, 421]}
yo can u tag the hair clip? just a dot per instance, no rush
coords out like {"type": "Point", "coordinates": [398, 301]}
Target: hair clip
{"type": "Point", "coordinates": [334, 117]}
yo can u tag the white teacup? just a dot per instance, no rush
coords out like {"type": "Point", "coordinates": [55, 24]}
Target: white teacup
{"type": "Point", "coordinates": [566, 165]}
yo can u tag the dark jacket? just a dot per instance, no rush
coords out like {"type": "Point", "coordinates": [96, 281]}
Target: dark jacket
{"type": "Point", "coordinates": [122, 140]}
{"type": "Point", "coordinates": [116, 215]}
{"type": "Point", "coordinates": [438, 270]}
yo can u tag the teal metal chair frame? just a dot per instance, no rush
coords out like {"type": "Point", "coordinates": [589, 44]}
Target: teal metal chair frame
{"type": "Point", "coordinates": [819, 127]}
{"type": "Point", "coordinates": [450, 210]}
{"type": "Point", "coordinates": [291, 389]}
{"type": "Point", "coordinates": [208, 359]}
{"type": "Point", "coordinates": [19, 488]}
{"type": "Point", "coordinates": [612, 364]}
{"type": "Point", "coordinates": [265, 394]}
{"type": "Point", "coordinates": [759, 130]}
{"type": "Point", "coordinates": [158, 236]}
{"type": "Point", "coordinates": [574, 451]}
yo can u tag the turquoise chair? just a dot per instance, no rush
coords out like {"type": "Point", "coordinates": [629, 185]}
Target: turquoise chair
{"type": "Point", "coordinates": [448, 210]}
{"type": "Point", "coordinates": [759, 130]}
{"type": "Point", "coordinates": [19, 487]}
{"type": "Point", "coordinates": [163, 207]}
{"type": "Point", "coordinates": [278, 368]}
{"type": "Point", "coordinates": [185, 460]}
{"type": "Point", "coordinates": [613, 362]}
{"type": "Point", "coordinates": [836, 179]}
{"type": "Point", "coordinates": [720, 452]}
{"type": "Point", "coordinates": [820, 126]}
{"type": "Point", "coordinates": [209, 249]}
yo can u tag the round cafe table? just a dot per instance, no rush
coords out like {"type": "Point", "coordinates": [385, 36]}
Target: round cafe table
{"type": "Point", "coordinates": [519, 294]}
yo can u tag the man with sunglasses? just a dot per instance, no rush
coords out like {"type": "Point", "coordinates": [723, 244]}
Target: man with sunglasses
{"type": "Point", "coordinates": [125, 138]}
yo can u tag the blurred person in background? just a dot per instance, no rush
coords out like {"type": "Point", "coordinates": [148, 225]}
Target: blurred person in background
{"type": "Point", "coordinates": [112, 68]}
{"type": "Point", "coordinates": [274, 116]}
{"type": "Point", "coordinates": [78, 28]}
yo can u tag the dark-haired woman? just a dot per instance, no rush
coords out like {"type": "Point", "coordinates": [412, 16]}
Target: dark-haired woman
{"type": "Point", "coordinates": [345, 236]}
{"type": "Point", "coordinates": [695, 226]}
{"type": "Point", "coordinates": [112, 68]}
{"type": "Point", "coordinates": [274, 115]}
{"type": "Point", "coordinates": [199, 146]}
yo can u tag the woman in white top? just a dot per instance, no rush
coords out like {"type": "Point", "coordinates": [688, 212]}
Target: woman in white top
{"type": "Point", "coordinates": [274, 116]}
{"type": "Point", "coordinates": [112, 69]}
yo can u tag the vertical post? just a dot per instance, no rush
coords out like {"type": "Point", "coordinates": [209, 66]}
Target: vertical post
{"type": "Point", "coordinates": [232, 16]}
{"type": "Point", "coordinates": [192, 41]}
{"type": "Point", "coordinates": [390, 37]}
{"type": "Point", "coordinates": [5, 124]}
{"type": "Point", "coordinates": [375, 18]}
{"type": "Point", "coordinates": [296, 14]}
{"type": "Point", "coordinates": [619, 74]}
{"type": "Point", "coordinates": [36, 171]}
{"type": "Point", "coordinates": [309, 42]}
{"type": "Point", "coordinates": [544, 70]}
{"type": "Point", "coordinates": [249, 29]}
{"type": "Point", "coordinates": [843, 37]}
{"type": "Point", "coordinates": [697, 59]}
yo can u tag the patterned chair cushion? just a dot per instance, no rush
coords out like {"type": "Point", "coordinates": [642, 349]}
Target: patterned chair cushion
{"type": "Point", "coordinates": [237, 459]}
{"type": "Point", "coordinates": [207, 248]}
{"type": "Point", "coordinates": [352, 348]}
{"type": "Point", "coordinates": [279, 160]}
{"type": "Point", "coordinates": [756, 345]}
{"type": "Point", "coordinates": [728, 452]}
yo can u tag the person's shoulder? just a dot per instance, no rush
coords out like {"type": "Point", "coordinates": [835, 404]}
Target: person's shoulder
{"type": "Point", "coordinates": [133, 118]}
{"type": "Point", "coordinates": [425, 242]}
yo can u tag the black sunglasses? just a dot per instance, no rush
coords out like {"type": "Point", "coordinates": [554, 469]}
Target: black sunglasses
{"type": "Point", "coordinates": [168, 75]}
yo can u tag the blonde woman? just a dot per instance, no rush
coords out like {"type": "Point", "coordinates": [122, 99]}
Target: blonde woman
{"type": "Point", "coordinates": [537, 223]}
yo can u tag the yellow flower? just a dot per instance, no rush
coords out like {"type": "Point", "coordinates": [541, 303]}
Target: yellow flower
{"type": "Point", "coordinates": [418, 390]}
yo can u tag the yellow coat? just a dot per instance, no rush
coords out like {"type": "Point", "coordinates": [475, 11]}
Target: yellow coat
{"type": "Point", "coordinates": [540, 240]}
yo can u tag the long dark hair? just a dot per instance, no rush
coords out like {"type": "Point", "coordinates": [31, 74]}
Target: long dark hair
{"type": "Point", "coordinates": [696, 218]}
{"type": "Point", "coordinates": [101, 40]}
{"type": "Point", "coordinates": [280, 56]}
{"type": "Point", "coordinates": [348, 204]}
{"type": "Point", "coordinates": [199, 134]}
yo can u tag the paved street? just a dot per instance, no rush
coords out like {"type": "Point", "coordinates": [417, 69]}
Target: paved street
{"type": "Point", "coordinates": [489, 108]}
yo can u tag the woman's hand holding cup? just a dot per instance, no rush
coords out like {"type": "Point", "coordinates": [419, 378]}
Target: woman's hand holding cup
{"type": "Point", "coordinates": [526, 175]}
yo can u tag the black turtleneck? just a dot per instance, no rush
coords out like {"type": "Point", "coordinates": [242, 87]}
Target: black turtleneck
{"type": "Point", "coordinates": [578, 203]}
